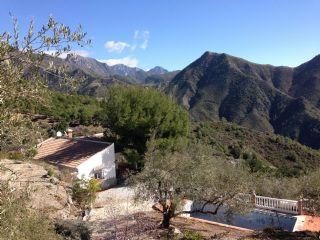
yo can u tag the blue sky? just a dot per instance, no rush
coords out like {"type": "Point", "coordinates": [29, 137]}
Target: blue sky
{"type": "Point", "coordinates": [173, 33]}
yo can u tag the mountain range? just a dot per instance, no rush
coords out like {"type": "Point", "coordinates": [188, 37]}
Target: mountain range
{"type": "Point", "coordinates": [283, 100]}
{"type": "Point", "coordinates": [96, 68]}
{"type": "Point", "coordinates": [96, 76]}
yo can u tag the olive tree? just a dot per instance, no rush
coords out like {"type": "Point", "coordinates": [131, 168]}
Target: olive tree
{"type": "Point", "coordinates": [23, 62]}
{"type": "Point", "coordinates": [196, 174]}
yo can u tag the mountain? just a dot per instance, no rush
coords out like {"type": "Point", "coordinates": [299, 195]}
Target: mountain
{"type": "Point", "coordinates": [157, 70]}
{"type": "Point", "coordinates": [92, 66]}
{"type": "Point", "coordinates": [160, 81]}
{"type": "Point", "coordinates": [96, 75]}
{"type": "Point", "coordinates": [282, 100]}
{"type": "Point", "coordinates": [275, 153]}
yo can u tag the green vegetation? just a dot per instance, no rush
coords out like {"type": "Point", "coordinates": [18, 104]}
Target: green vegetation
{"type": "Point", "coordinates": [50, 172]}
{"type": "Point", "coordinates": [72, 108]}
{"type": "Point", "coordinates": [263, 152]}
{"type": "Point", "coordinates": [192, 235]}
{"type": "Point", "coordinates": [18, 221]}
{"type": "Point", "coordinates": [73, 230]}
{"type": "Point", "coordinates": [192, 172]}
{"type": "Point", "coordinates": [310, 189]}
{"type": "Point", "coordinates": [216, 163]}
{"type": "Point", "coordinates": [137, 115]}
{"type": "Point", "coordinates": [283, 100]}
{"type": "Point", "coordinates": [84, 192]}
{"type": "Point", "coordinates": [21, 64]}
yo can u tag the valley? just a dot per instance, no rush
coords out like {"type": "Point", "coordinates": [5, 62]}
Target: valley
{"type": "Point", "coordinates": [165, 120]}
{"type": "Point", "coordinates": [280, 100]}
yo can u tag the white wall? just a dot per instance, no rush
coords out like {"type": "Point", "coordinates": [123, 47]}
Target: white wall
{"type": "Point", "coordinates": [104, 158]}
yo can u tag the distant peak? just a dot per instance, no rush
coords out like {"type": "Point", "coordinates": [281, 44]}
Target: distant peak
{"type": "Point", "coordinates": [157, 70]}
{"type": "Point", "coordinates": [208, 53]}
{"type": "Point", "coordinates": [73, 56]}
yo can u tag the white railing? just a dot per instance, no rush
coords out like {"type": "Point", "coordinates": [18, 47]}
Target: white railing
{"type": "Point", "coordinates": [276, 204]}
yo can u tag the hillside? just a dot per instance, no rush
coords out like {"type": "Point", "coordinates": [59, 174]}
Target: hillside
{"type": "Point", "coordinates": [282, 100]}
{"type": "Point", "coordinates": [160, 81]}
{"type": "Point", "coordinates": [35, 178]}
{"type": "Point", "coordinates": [261, 150]}
{"type": "Point", "coordinates": [96, 76]}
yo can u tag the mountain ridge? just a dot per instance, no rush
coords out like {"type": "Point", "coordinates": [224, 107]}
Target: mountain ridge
{"type": "Point", "coordinates": [93, 66]}
{"type": "Point", "coordinates": [259, 96]}
{"type": "Point", "coordinates": [279, 99]}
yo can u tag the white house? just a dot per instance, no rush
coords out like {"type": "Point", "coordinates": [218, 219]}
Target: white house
{"type": "Point", "coordinates": [84, 157]}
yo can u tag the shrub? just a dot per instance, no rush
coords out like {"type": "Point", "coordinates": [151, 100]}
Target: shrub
{"type": "Point", "coordinates": [16, 155]}
{"type": "Point", "coordinates": [132, 156]}
{"type": "Point", "coordinates": [292, 156]}
{"type": "Point", "coordinates": [253, 161]}
{"type": "Point", "coordinates": [3, 155]}
{"type": "Point", "coordinates": [73, 230]}
{"type": "Point", "coordinates": [18, 221]}
{"type": "Point", "coordinates": [61, 126]}
{"type": "Point", "coordinates": [50, 172]}
{"type": "Point", "coordinates": [31, 153]}
{"type": "Point", "coordinates": [235, 151]}
{"type": "Point", "coordinates": [192, 235]}
{"type": "Point", "coordinates": [84, 192]}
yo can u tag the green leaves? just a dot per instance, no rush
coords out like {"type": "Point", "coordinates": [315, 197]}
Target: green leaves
{"type": "Point", "coordinates": [18, 220]}
{"type": "Point", "coordinates": [138, 115]}
{"type": "Point", "coordinates": [192, 172]}
{"type": "Point", "coordinates": [84, 192]}
{"type": "Point", "coordinates": [22, 69]}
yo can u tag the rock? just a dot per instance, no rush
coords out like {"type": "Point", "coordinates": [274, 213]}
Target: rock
{"type": "Point", "coordinates": [54, 180]}
{"type": "Point", "coordinates": [177, 233]}
{"type": "Point", "coordinates": [70, 200]}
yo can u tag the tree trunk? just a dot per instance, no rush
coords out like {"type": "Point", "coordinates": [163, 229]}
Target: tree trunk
{"type": "Point", "coordinates": [166, 216]}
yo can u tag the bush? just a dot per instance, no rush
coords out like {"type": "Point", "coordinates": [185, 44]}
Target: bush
{"type": "Point", "coordinates": [61, 126]}
{"type": "Point", "coordinates": [253, 161]}
{"type": "Point", "coordinates": [84, 192]}
{"type": "Point", "coordinates": [73, 230]}
{"type": "Point", "coordinates": [16, 155]}
{"type": "Point", "coordinates": [50, 172]}
{"type": "Point", "coordinates": [192, 235]}
{"type": "Point", "coordinates": [292, 156]}
{"type": "Point", "coordinates": [132, 157]}
{"type": "Point", "coordinates": [31, 153]}
{"type": "Point", "coordinates": [235, 151]}
{"type": "Point", "coordinates": [18, 221]}
{"type": "Point", "coordinates": [3, 155]}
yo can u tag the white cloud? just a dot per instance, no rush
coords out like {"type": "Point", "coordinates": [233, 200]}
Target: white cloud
{"type": "Point", "coordinates": [129, 61]}
{"type": "Point", "coordinates": [116, 46]}
{"type": "Point", "coordinates": [79, 52]}
{"type": "Point", "coordinates": [144, 36]}
{"type": "Point", "coordinates": [140, 40]}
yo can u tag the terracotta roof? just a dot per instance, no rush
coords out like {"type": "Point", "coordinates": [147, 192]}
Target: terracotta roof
{"type": "Point", "coordinates": [68, 152]}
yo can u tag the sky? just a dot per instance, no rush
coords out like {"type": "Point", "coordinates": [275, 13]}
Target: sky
{"type": "Point", "coordinates": [174, 33]}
